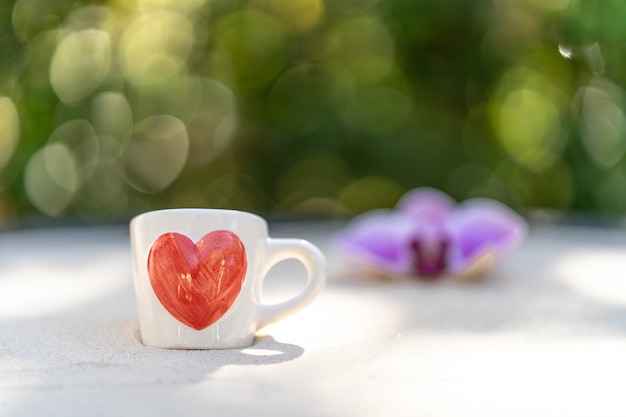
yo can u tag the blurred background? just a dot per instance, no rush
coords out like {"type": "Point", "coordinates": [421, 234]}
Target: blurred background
{"type": "Point", "coordinates": [309, 107]}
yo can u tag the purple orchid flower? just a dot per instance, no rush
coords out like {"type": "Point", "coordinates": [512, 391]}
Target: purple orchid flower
{"type": "Point", "coordinates": [428, 234]}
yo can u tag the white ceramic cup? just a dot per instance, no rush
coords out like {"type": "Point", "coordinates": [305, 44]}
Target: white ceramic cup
{"type": "Point", "coordinates": [199, 274]}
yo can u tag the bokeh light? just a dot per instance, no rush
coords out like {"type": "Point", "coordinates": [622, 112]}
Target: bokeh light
{"type": "Point", "coordinates": [309, 107]}
{"type": "Point", "coordinates": [364, 45]}
{"type": "Point", "coordinates": [255, 43]}
{"type": "Point", "coordinates": [112, 116]}
{"type": "Point", "coordinates": [51, 178]}
{"type": "Point", "coordinates": [212, 123]}
{"type": "Point", "coordinates": [80, 63]}
{"type": "Point", "coordinates": [154, 47]}
{"type": "Point", "coordinates": [301, 15]}
{"type": "Point", "coordinates": [156, 153]}
{"type": "Point", "coordinates": [529, 113]}
{"type": "Point", "coordinates": [9, 130]}
{"type": "Point", "coordinates": [603, 123]}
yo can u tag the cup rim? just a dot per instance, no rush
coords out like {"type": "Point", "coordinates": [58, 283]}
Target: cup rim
{"type": "Point", "coordinates": [196, 210]}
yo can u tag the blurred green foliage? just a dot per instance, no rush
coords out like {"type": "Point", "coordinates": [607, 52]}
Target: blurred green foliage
{"type": "Point", "coordinates": [326, 107]}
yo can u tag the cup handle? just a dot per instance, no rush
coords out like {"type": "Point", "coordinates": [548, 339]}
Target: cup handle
{"type": "Point", "coordinates": [313, 260]}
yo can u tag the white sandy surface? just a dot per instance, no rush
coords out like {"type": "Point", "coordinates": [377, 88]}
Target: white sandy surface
{"type": "Point", "coordinates": [545, 335]}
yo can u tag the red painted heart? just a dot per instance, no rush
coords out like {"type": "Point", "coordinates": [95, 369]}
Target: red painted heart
{"type": "Point", "coordinates": [197, 283]}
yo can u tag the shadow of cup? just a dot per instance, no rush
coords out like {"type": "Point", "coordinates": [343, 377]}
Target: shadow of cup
{"type": "Point", "coordinates": [192, 365]}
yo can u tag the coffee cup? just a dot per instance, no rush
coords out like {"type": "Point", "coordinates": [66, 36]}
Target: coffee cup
{"type": "Point", "coordinates": [198, 277]}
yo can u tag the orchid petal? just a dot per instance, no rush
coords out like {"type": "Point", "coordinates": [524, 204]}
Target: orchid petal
{"type": "Point", "coordinates": [481, 226]}
{"type": "Point", "coordinates": [379, 239]}
{"type": "Point", "coordinates": [426, 205]}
